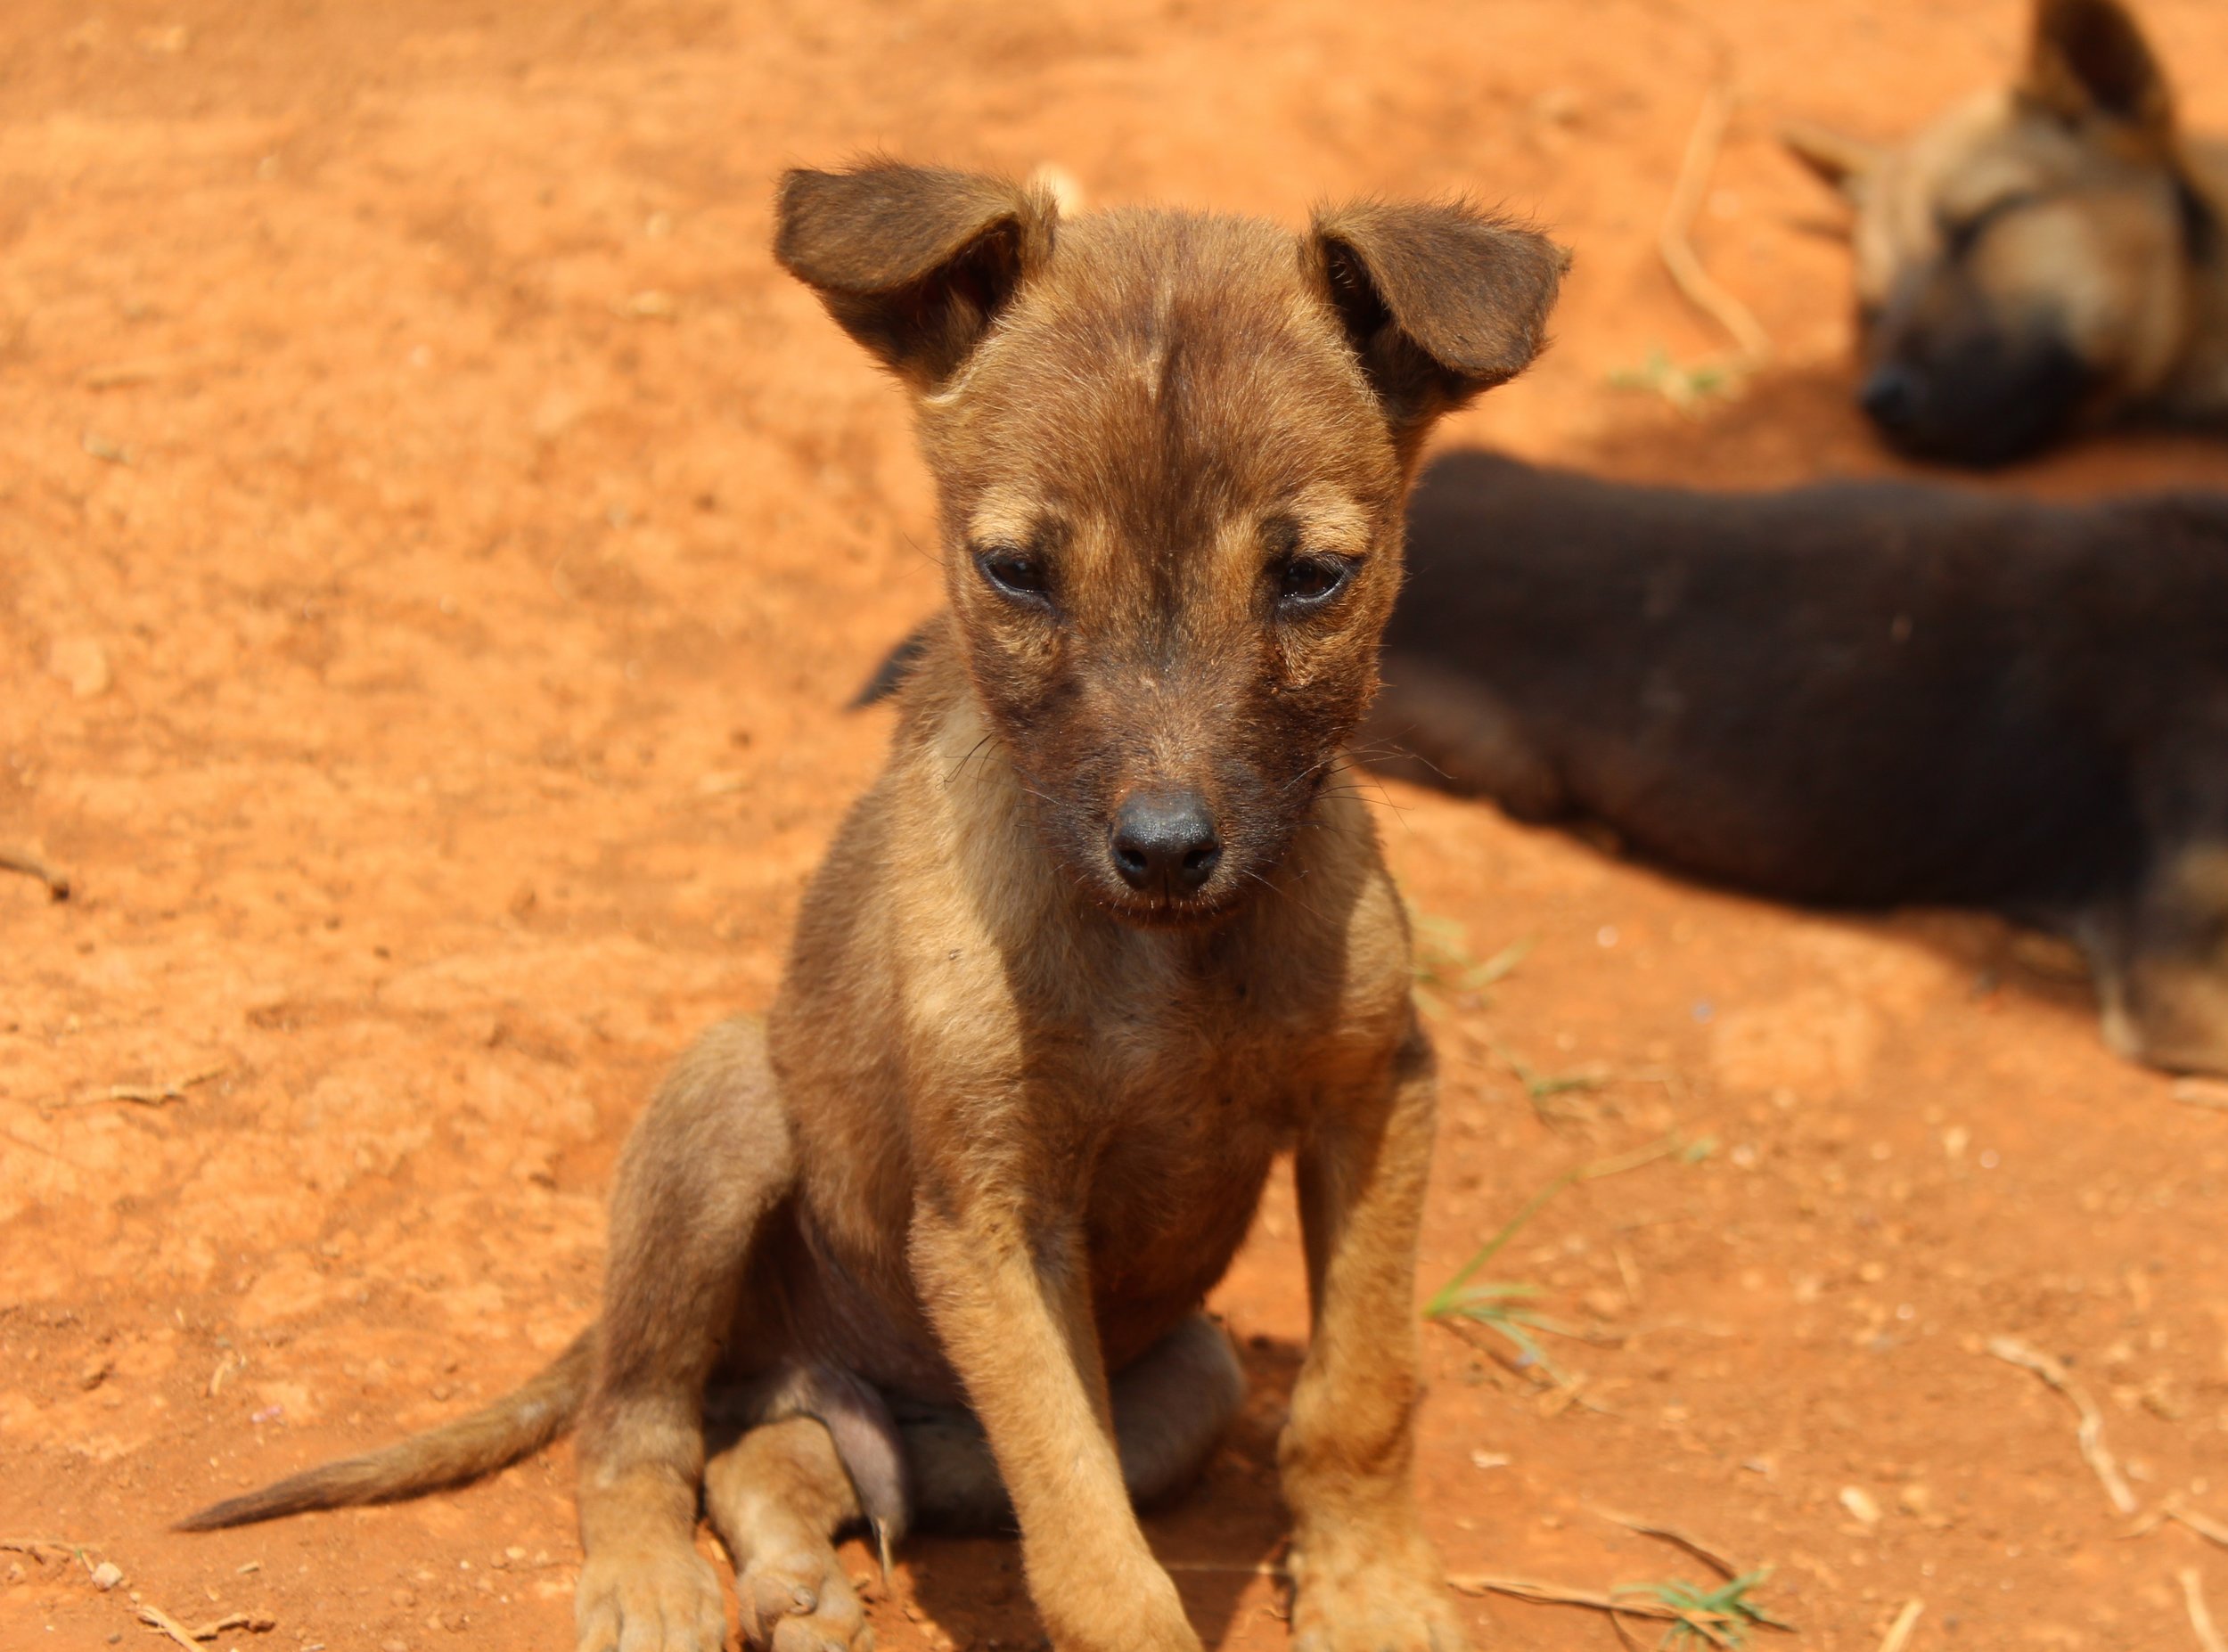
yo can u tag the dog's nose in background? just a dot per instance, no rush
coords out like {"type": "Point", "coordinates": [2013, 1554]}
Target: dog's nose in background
{"type": "Point", "coordinates": [1891, 395]}
{"type": "Point", "coordinates": [1164, 843]}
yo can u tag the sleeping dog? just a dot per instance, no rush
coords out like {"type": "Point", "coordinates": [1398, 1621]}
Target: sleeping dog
{"type": "Point", "coordinates": [1859, 694]}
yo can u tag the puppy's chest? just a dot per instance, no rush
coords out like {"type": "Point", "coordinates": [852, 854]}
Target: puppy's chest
{"type": "Point", "coordinates": [1186, 1099]}
{"type": "Point", "coordinates": [1182, 1056]}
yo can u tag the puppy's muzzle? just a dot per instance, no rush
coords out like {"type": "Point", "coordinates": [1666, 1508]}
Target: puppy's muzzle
{"type": "Point", "coordinates": [1164, 843]}
{"type": "Point", "coordinates": [1893, 398]}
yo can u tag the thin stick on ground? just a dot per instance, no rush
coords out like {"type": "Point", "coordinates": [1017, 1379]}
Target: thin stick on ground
{"type": "Point", "coordinates": [23, 861]}
{"type": "Point", "coordinates": [1722, 1616]}
{"type": "Point", "coordinates": [1677, 1538]}
{"type": "Point", "coordinates": [1899, 1632]}
{"type": "Point", "coordinates": [2200, 1619]}
{"type": "Point", "coordinates": [155, 1095]}
{"type": "Point", "coordinates": [253, 1623]}
{"type": "Point", "coordinates": [146, 1095]}
{"type": "Point", "coordinates": [2091, 1435]}
{"type": "Point", "coordinates": [39, 1547]}
{"type": "Point", "coordinates": [2172, 1507]}
{"type": "Point", "coordinates": [1540, 1593]}
{"type": "Point", "coordinates": [155, 1618]}
{"type": "Point", "coordinates": [1675, 244]}
{"type": "Point", "coordinates": [2203, 1526]}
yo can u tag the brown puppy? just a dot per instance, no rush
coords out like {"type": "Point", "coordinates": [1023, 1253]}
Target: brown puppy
{"type": "Point", "coordinates": [1097, 946]}
{"type": "Point", "coordinates": [2042, 256]}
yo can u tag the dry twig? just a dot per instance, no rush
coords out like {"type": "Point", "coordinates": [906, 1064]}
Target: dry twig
{"type": "Point", "coordinates": [2203, 1526]}
{"type": "Point", "coordinates": [2090, 1437]}
{"type": "Point", "coordinates": [2200, 1619]}
{"type": "Point", "coordinates": [1678, 1540]}
{"type": "Point", "coordinates": [155, 1095]}
{"type": "Point", "coordinates": [40, 1548]}
{"type": "Point", "coordinates": [155, 1618]}
{"type": "Point", "coordinates": [1555, 1594]}
{"type": "Point", "coordinates": [1675, 242]}
{"type": "Point", "coordinates": [1899, 1632]}
{"type": "Point", "coordinates": [253, 1623]}
{"type": "Point", "coordinates": [148, 1095]}
{"type": "Point", "coordinates": [23, 861]}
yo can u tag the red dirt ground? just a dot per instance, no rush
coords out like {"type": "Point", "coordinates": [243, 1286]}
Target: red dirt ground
{"type": "Point", "coordinates": [435, 542]}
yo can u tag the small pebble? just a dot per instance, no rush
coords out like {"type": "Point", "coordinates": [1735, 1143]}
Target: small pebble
{"type": "Point", "coordinates": [107, 1575]}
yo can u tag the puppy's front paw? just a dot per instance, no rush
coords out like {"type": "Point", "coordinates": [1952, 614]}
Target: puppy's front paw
{"type": "Point", "coordinates": [666, 1600]}
{"type": "Point", "coordinates": [1363, 1597]}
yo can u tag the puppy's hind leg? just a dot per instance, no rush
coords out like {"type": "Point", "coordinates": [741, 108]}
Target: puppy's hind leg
{"type": "Point", "coordinates": [1171, 1406]}
{"type": "Point", "coordinates": [710, 1160]}
{"type": "Point", "coordinates": [778, 1496]}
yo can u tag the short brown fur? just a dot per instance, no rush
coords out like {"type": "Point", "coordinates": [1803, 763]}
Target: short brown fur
{"type": "Point", "coordinates": [2041, 257]}
{"type": "Point", "coordinates": [1014, 1105]}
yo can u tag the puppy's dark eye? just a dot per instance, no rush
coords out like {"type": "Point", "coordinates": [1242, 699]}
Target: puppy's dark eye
{"type": "Point", "coordinates": [1308, 582]}
{"type": "Point", "coordinates": [1961, 235]}
{"type": "Point", "coordinates": [1020, 575]}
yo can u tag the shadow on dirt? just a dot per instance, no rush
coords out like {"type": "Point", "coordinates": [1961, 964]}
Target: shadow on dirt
{"type": "Point", "coordinates": [1795, 425]}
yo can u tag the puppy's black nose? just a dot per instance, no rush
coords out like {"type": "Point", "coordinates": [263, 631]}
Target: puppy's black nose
{"type": "Point", "coordinates": [1891, 397]}
{"type": "Point", "coordinates": [1164, 842]}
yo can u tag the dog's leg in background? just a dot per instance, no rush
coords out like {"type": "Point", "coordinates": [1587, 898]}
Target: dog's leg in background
{"type": "Point", "coordinates": [1366, 1576]}
{"type": "Point", "coordinates": [2159, 949]}
{"type": "Point", "coordinates": [1011, 1295]}
{"type": "Point", "coordinates": [708, 1160]}
{"type": "Point", "coordinates": [2160, 960]}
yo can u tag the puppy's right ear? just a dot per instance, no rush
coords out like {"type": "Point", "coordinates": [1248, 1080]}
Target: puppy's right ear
{"type": "Point", "coordinates": [1439, 302]}
{"type": "Point", "coordinates": [2087, 59]}
{"type": "Point", "coordinates": [1841, 163]}
{"type": "Point", "coordinates": [913, 262]}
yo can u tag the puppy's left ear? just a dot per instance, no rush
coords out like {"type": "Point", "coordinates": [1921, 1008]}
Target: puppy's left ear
{"type": "Point", "coordinates": [1440, 302]}
{"type": "Point", "coordinates": [1839, 161]}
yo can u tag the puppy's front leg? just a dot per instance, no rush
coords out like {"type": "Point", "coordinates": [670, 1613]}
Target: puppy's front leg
{"type": "Point", "coordinates": [1012, 1305]}
{"type": "Point", "coordinates": [1368, 1580]}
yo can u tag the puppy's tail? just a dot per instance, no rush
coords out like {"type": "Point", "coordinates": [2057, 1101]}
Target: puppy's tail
{"type": "Point", "coordinates": [492, 1437]}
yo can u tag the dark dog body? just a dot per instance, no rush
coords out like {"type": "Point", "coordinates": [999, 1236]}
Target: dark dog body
{"type": "Point", "coordinates": [1859, 694]}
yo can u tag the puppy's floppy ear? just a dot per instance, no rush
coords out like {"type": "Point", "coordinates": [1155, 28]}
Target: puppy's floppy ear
{"type": "Point", "coordinates": [1440, 302]}
{"type": "Point", "coordinates": [2088, 58]}
{"type": "Point", "coordinates": [1842, 163]}
{"type": "Point", "coordinates": [913, 262]}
